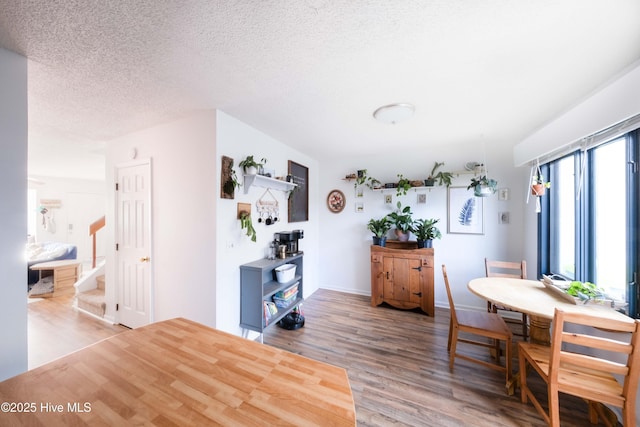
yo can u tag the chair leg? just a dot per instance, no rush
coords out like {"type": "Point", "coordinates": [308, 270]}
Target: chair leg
{"type": "Point", "coordinates": [450, 331]}
{"type": "Point", "coordinates": [554, 406]}
{"type": "Point", "coordinates": [452, 350]}
{"type": "Point", "coordinates": [525, 331]}
{"type": "Point", "coordinates": [522, 365]}
{"type": "Point", "coordinates": [508, 359]}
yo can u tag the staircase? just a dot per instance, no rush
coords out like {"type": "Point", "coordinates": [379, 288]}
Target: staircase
{"type": "Point", "coordinates": [93, 301]}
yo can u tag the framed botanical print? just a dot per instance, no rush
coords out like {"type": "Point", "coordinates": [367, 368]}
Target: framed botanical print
{"type": "Point", "coordinates": [465, 212]}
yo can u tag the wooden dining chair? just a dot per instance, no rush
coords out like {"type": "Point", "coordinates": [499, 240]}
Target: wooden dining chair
{"type": "Point", "coordinates": [585, 369]}
{"type": "Point", "coordinates": [516, 270]}
{"type": "Point", "coordinates": [480, 324]}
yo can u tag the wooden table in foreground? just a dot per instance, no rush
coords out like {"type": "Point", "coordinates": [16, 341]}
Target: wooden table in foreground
{"type": "Point", "coordinates": [178, 372]}
{"type": "Point", "coordinates": [533, 298]}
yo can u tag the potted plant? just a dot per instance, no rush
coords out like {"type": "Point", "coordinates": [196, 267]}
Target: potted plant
{"type": "Point", "coordinates": [426, 231]}
{"type": "Point", "coordinates": [245, 222]}
{"type": "Point", "coordinates": [251, 166]}
{"type": "Point", "coordinates": [403, 186]}
{"type": "Point", "coordinates": [538, 185]}
{"type": "Point", "coordinates": [363, 178]}
{"type": "Point", "coordinates": [403, 221]}
{"type": "Point", "coordinates": [483, 186]}
{"type": "Point", "coordinates": [443, 178]}
{"type": "Point", "coordinates": [379, 228]}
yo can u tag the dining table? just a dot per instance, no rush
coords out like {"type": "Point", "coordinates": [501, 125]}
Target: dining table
{"type": "Point", "coordinates": [537, 301]}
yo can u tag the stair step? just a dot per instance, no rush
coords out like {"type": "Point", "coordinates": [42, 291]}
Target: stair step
{"type": "Point", "coordinates": [92, 301]}
{"type": "Point", "coordinates": [100, 281]}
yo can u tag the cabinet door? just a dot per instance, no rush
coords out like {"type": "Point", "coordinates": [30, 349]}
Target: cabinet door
{"type": "Point", "coordinates": [403, 280]}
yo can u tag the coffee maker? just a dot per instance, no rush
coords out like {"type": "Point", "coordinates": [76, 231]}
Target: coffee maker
{"type": "Point", "coordinates": [290, 239]}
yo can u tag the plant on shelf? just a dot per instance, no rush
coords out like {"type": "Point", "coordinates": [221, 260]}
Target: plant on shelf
{"type": "Point", "coordinates": [539, 185]}
{"type": "Point", "coordinates": [251, 166]}
{"type": "Point", "coordinates": [403, 221]}
{"type": "Point", "coordinates": [443, 178]}
{"type": "Point", "coordinates": [403, 185]}
{"type": "Point", "coordinates": [245, 222]}
{"type": "Point", "coordinates": [483, 186]}
{"type": "Point", "coordinates": [379, 228]}
{"type": "Point", "coordinates": [426, 231]}
{"type": "Point", "coordinates": [362, 178]}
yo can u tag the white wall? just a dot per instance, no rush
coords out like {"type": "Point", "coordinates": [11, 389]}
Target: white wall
{"type": "Point", "coordinates": [184, 199]}
{"type": "Point", "coordinates": [13, 213]}
{"type": "Point", "coordinates": [82, 202]}
{"type": "Point", "coordinates": [344, 248]}
{"type": "Point", "coordinates": [237, 140]}
{"type": "Point", "coordinates": [614, 103]}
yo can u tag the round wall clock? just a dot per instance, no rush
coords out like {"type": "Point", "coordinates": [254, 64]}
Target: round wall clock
{"type": "Point", "coordinates": [336, 201]}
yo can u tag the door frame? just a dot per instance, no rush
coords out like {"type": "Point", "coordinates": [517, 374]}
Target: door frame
{"type": "Point", "coordinates": [117, 167]}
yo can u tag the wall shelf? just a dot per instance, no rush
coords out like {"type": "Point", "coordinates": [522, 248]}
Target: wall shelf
{"type": "Point", "coordinates": [266, 182]}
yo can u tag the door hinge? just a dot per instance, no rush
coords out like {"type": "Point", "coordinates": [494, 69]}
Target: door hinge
{"type": "Point", "coordinates": [116, 186]}
{"type": "Point", "coordinates": [117, 307]}
{"type": "Point", "coordinates": [117, 246]}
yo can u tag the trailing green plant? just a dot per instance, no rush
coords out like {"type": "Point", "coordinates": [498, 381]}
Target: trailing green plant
{"type": "Point", "coordinates": [403, 185]}
{"type": "Point", "coordinates": [402, 218]}
{"type": "Point", "coordinates": [250, 162]}
{"type": "Point", "coordinates": [379, 227]}
{"type": "Point", "coordinates": [443, 178]}
{"type": "Point", "coordinates": [232, 183]}
{"type": "Point", "coordinates": [425, 229]}
{"type": "Point", "coordinates": [482, 182]}
{"type": "Point", "coordinates": [369, 181]}
{"type": "Point", "coordinates": [245, 222]}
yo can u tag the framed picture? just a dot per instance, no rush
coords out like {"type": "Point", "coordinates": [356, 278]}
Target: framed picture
{"type": "Point", "coordinates": [299, 199]}
{"type": "Point", "coordinates": [336, 201]}
{"type": "Point", "coordinates": [465, 212]}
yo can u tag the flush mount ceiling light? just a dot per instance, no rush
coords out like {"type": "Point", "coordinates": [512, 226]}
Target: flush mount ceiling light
{"type": "Point", "coordinates": [394, 113]}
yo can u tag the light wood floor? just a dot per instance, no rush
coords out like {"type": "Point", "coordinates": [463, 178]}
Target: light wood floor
{"type": "Point", "coordinates": [56, 329]}
{"type": "Point", "coordinates": [397, 361]}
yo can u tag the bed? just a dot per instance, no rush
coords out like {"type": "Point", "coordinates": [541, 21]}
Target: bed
{"type": "Point", "coordinates": [179, 372]}
{"type": "Point", "coordinates": [47, 251]}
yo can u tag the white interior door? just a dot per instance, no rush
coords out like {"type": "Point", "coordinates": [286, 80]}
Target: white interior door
{"type": "Point", "coordinates": [133, 244]}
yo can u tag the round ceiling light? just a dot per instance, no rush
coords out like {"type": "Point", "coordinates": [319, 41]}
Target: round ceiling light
{"type": "Point", "coordinates": [394, 113]}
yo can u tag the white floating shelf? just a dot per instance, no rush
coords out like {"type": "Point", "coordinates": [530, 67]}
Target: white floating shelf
{"type": "Point", "coordinates": [266, 182]}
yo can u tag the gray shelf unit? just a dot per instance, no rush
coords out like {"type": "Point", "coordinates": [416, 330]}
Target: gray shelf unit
{"type": "Point", "coordinates": [258, 284]}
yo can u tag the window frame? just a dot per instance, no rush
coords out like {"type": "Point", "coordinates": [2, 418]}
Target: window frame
{"type": "Point", "coordinates": [585, 212]}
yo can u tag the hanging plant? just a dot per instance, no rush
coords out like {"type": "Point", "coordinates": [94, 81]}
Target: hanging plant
{"type": "Point", "coordinates": [483, 186]}
{"type": "Point", "coordinates": [245, 222]}
{"type": "Point", "coordinates": [403, 186]}
{"type": "Point", "coordinates": [538, 184]}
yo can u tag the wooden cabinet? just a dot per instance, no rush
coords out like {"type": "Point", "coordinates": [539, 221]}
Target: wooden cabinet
{"type": "Point", "coordinates": [402, 276]}
{"type": "Point", "coordinates": [65, 274]}
{"type": "Point", "coordinates": [258, 285]}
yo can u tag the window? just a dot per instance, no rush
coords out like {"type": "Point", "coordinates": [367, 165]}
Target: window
{"type": "Point", "coordinates": [588, 225]}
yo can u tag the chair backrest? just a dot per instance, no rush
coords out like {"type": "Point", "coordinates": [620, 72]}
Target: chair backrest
{"type": "Point", "coordinates": [618, 356]}
{"type": "Point", "coordinates": [517, 270]}
{"type": "Point", "coordinates": [452, 308]}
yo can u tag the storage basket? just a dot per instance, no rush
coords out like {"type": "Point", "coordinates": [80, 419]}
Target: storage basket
{"type": "Point", "coordinates": [285, 272]}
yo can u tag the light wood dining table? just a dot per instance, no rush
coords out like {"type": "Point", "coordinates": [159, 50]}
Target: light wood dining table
{"type": "Point", "coordinates": [533, 298]}
{"type": "Point", "coordinates": [179, 372]}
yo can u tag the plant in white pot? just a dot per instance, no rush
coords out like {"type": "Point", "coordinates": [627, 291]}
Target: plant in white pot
{"type": "Point", "coordinates": [426, 231]}
{"type": "Point", "coordinates": [483, 186]}
{"type": "Point", "coordinates": [379, 228]}
{"type": "Point", "coordinates": [251, 166]}
{"type": "Point", "coordinates": [403, 221]}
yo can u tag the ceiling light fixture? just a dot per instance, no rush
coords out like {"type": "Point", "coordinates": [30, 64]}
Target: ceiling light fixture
{"type": "Point", "coordinates": [394, 113]}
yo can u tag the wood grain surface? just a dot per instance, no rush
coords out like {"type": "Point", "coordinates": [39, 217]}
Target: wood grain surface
{"type": "Point", "coordinates": [179, 372]}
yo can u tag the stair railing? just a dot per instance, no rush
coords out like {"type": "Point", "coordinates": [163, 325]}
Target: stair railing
{"type": "Point", "coordinates": [93, 229]}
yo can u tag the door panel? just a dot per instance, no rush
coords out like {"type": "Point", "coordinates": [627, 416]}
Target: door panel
{"type": "Point", "coordinates": [134, 247]}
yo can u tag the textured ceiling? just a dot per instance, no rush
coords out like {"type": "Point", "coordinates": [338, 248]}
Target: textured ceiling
{"type": "Point", "coordinates": [311, 72]}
